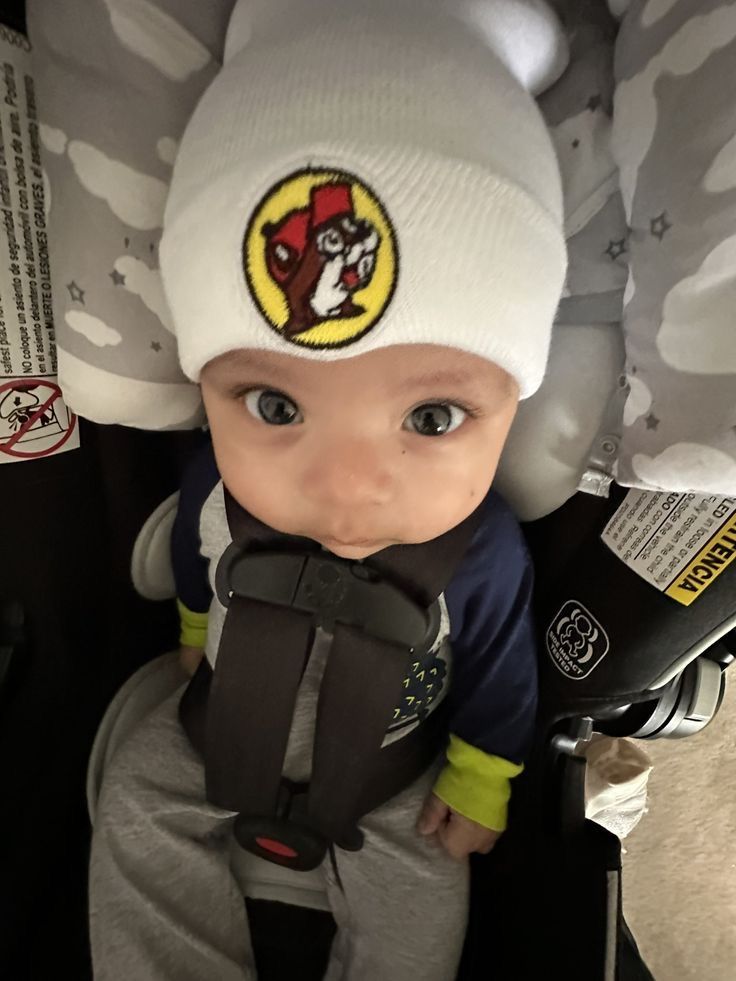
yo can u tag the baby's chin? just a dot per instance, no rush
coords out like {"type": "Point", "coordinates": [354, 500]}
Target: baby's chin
{"type": "Point", "coordinates": [356, 553]}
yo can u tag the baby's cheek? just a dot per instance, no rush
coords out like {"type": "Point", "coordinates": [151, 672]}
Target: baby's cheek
{"type": "Point", "coordinates": [484, 454]}
{"type": "Point", "coordinates": [442, 500]}
{"type": "Point", "coordinates": [239, 467]}
{"type": "Point", "coordinates": [254, 485]}
{"type": "Point", "coordinates": [469, 468]}
{"type": "Point", "coordinates": [462, 482]}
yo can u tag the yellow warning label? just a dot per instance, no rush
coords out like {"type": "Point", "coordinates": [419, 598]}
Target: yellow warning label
{"type": "Point", "coordinates": [679, 543]}
{"type": "Point", "coordinates": [715, 556]}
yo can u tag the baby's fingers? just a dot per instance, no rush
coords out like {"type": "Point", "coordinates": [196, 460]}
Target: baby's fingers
{"type": "Point", "coordinates": [456, 838]}
{"type": "Point", "coordinates": [434, 815]}
{"type": "Point", "coordinates": [460, 836]}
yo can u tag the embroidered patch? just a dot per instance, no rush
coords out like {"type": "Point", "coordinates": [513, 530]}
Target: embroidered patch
{"type": "Point", "coordinates": [576, 642]}
{"type": "Point", "coordinates": [320, 258]}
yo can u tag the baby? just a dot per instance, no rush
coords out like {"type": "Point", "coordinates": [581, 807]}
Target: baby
{"type": "Point", "coordinates": [363, 255]}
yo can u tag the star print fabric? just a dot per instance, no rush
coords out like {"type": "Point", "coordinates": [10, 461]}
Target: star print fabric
{"type": "Point", "coordinates": [578, 110]}
{"type": "Point", "coordinates": [645, 132]}
{"type": "Point", "coordinates": [674, 140]}
{"type": "Point", "coordinates": [113, 101]}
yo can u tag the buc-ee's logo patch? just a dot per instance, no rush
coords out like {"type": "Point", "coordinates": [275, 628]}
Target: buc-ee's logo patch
{"type": "Point", "coordinates": [321, 258]}
{"type": "Point", "coordinates": [576, 642]}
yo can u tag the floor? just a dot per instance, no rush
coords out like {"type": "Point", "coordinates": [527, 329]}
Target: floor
{"type": "Point", "coordinates": [680, 862]}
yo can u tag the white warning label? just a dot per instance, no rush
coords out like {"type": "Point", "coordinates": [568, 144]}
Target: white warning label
{"type": "Point", "coordinates": [679, 543]}
{"type": "Point", "coordinates": [34, 422]}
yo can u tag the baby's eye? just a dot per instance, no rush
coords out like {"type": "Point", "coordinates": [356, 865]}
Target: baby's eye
{"type": "Point", "coordinates": [435, 418]}
{"type": "Point", "coordinates": [272, 407]}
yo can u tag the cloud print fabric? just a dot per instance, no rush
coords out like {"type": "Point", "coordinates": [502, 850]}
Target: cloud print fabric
{"type": "Point", "coordinates": [674, 141]}
{"type": "Point", "coordinates": [108, 146]}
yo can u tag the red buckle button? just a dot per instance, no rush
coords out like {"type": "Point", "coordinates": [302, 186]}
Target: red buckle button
{"type": "Point", "coordinates": [277, 847]}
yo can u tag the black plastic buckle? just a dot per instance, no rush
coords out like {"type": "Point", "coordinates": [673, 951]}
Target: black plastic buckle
{"type": "Point", "coordinates": [281, 842]}
{"type": "Point", "coordinates": [331, 589]}
{"type": "Point", "coordinates": [285, 839]}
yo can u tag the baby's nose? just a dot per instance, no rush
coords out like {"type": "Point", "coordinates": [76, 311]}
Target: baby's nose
{"type": "Point", "coordinates": [350, 475]}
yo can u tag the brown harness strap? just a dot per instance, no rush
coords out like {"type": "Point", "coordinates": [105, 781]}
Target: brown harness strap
{"type": "Point", "coordinates": [244, 757]}
{"type": "Point", "coordinates": [382, 614]}
{"type": "Point", "coordinates": [349, 732]}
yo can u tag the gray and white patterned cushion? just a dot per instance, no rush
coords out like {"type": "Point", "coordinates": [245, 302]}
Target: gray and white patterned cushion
{"type": "Point", "coordinates": [674, 140]}
{"type": "Point", "coordinates": [118, 79]}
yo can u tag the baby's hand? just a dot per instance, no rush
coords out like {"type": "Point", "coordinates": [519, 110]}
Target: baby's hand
{"type": "Point", "coordinates": [458, 835]}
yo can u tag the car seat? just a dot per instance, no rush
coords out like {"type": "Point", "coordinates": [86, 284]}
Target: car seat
{"type": "Point", "coordinates": [654, 667]}
{"type": "Point", "coordinates": [550, 842]}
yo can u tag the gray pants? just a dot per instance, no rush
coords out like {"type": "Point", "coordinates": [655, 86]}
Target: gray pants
{"type": "Point", "coordinates": [164, 905]}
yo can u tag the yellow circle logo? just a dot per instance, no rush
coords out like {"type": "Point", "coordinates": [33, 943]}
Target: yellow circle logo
{"type": "Point", "coordinates": [320, 258]}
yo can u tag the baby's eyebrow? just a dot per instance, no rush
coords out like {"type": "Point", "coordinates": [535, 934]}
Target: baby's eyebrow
{"type": "Point", "coordinates": [459, 382]}
{"type": "Point", "coordinates": [437, 379]}
{"type": "Point", "coordinates": [232, 366]}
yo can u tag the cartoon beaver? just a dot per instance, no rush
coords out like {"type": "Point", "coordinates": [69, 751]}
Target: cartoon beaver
{"type": "Point", "coordinates": [320, 256]}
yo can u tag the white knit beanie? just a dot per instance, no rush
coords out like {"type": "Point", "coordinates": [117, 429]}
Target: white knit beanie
{"type": "Point", "coordinates": [366, 174]}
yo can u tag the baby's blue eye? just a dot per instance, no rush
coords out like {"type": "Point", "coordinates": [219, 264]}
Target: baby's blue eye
{"type": "Point", "coordinates": [435, 418]}
{"type": "Point", "coordinates": [272, 407]}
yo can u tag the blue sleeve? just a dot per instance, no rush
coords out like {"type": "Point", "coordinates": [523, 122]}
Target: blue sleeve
{"type": "Point", "coordinates": [190, 566]}
{"type": "Point", "coordinates": [493, 694]}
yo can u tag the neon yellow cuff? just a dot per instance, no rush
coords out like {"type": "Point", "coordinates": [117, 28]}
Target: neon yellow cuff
{"type": "Point", "coordinates": [193, 631]}
{"type": "Point", "coordinates": [476, 784]}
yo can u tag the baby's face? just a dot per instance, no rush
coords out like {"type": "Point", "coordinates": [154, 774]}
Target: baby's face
{"type": "Point", "coordinates": [396, 446]}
